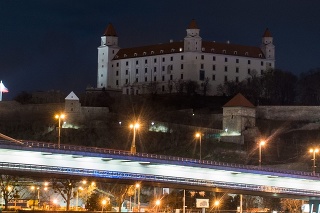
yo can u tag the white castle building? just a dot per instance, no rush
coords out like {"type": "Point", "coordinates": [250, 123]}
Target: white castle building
{"type": "Point", "coordinates": [162, 68]}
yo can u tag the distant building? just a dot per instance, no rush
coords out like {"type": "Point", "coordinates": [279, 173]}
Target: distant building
{"type": "Point", "coordinates": [161, 68]}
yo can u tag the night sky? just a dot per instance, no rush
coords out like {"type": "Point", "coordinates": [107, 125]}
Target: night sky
{"type": "Point", "coordinates": [46, 45]}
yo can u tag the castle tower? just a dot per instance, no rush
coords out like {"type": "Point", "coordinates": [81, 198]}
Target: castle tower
{"type": "Point", "coordinates": [267, 46]}
{"type": "Point", "coordinates": [193, 41]}
{"type": "Point", "coordinates": [239, 114]}
{"type": "Point", "coordinates": [106, 51]}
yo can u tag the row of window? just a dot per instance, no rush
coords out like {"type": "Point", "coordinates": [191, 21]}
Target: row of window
{"type": "Point", "coordinates": [182, 58]}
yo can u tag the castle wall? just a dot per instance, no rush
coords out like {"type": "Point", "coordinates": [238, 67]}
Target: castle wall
{"type": "Point", "coordinates": [297, 113]}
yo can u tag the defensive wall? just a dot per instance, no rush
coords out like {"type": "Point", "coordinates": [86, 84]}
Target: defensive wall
{"type": "Point", "coordinates": [291, 113]}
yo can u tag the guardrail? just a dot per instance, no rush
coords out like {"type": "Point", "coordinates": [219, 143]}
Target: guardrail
{"type": "Point", "coordinates": [67, 147]}
{"type": "Point", "coordinates": [158, 178]}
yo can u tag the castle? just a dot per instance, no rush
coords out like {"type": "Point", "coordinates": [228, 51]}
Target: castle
{"type": "Point", "coordinates": [162, 68]}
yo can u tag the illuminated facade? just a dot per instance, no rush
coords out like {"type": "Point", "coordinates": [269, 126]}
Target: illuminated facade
{"type": "Point", "coordinates": [161, 68]}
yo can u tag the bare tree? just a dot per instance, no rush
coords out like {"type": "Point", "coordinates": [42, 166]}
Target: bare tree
{"type": "Point", "coordinates": [9, 188]}
{"type": "Point", "coordinates": [65, 188]}
{"type": "Point", "coordinates": [291, 205]}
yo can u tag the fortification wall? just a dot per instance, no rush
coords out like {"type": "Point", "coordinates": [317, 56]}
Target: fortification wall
{"type": "Point", "coordinates": [297, 113]}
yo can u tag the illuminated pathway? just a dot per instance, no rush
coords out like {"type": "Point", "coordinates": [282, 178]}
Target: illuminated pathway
{"type": "Point", "coordinates": [46, 158]}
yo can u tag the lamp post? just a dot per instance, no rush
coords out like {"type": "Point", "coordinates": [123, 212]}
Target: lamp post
{"type": "Point", "coordinates": [262, 143]}
{"type": "Point", "coordinates": [137, 194]}
{"type": "Point", "coordinates": [198, 135]}
{"type": "Point", "coordinates": [314, 151]}
{"type": "Point", "coordinates": [104, 202]}
{"type": "Point", "coordinates": [134, 126]}
{"type": "Point", "coordinates": [158, 202]}
{"type": "Point", "coordinates": [59, 117]}
{"type": "Point", "coordinates": [216, 205]}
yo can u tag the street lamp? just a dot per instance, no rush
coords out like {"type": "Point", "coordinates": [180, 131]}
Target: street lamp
{"type": "Point", "coordinates": [216, 204]}
{"type": "Point", "coordinates": [137, 193]}
{"type": "Point", "coordinates": [262, 143]}
{"type": "Point", "coordinates": [198, 135]}
{"type": "Point", "coordinates": [314, 151]}
{"type": "Point", "coordinates": [59, 117]}
{"type": "Point", "coordinates": [158, 202]}
{"type": "Point", "coordinates": [104, 202]}
{"type": "Point", "coordinates": [133, 144]}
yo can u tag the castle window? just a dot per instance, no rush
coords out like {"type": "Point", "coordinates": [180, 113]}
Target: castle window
{"type": "Point", "coordinates": [127, 81]}
{"type": "Point", "coordinates": [235, 52]}
{"type": "Point", "coordinates": [137, 71]}
{"type": "Point", "coordinates": [182, 57]}
{"type": "Point", "coordinates": [127, 71]}
{"type": "Point", "coordinates": [213, 58]}
{"type": "Point", "coordinates": [201, 75]}
{"type": "Point", "coordinates": [155, 60]}
{"type": "Point", "coordinates": [127, 63]}
{"type": "Point", "coordinates": [135, 54]}
{"type": "Point", "coordinates": [152, 52]}
{"type": "Point", "coordinates": [261, 63]}
{"type": "Point", "coordinates": [213, 77]}
{"type": "Point", "coordinates": [202, 57]}
{"type": "Point", "coordinates": [246, 53]}
{"type": "Point", "coordinates": [162, 88]}
{"type": "Point", "coordinates": [163, 68]}
{"type": "Point", "coordinates": [171, 77]}
{"type": "Point", "coordinates": [117, 73]}
{"type": "Point", "coordinates": [181, 66]}
{"type": "Point", "coordinates": [237, 69]}
{"type": "Point", "coordinates": [144, 53]}
{"type": "Point", "coordinates": [163, 78]}
{"type": "Point", "coordinates": [249, 62]}
{"type": "Point", "coordinates": [117, 82]}
{"type": "Point", "coordinates": [101, 75]}
{"type": "Point", "coordinates": [161, 51]}
{"type": "Point", "coordinates": [181, 76]}
{"type": "Point", "coordinates": [145, 79]}
{"type": "Point", "coordinates": [249, 71]}
{"type": "Point", "coordinates": [155, 69]}
{"type": "Point", "coordinates": [237, 79]}
{"type": "Point", "coordinates": [224, 51]}
{"type": "Point", "coordinates": [137, 62]}
{"type": "Point", "coordinates": [213, 67]}
{"type": "Point", "coordinates": [136, 79]}
{"type": "Point", "coordinates": [145, 70]}
{"type": "Point", "coordinates": [125, 55]}
{"type": "Point", "coordinates": [101, 84]}
{"type": "Point", "coordinates": [103, 66]}
{"type": "Point", "coordinates": [262, 72]}
{"type": "Point", "coordinates": [225, 59]}
{"type": "Point", "coordinates": [237, 61]}
{"type": "Point", "coordinates": [201, 66]}
{"type": "Point", "coordinates": [172, 50]}
{"type": "Point", "coordinates": [260, 55]}
{"type": "Point", "coordinates": [212, 50]}
{"type": "Point", "coordinates": [163, 59]}
{"type": "Point", "coordinates": [117, 64]}
{"type": "Point", "coordinates": [155, 78]}
{"type": "Point", "coordinates": [146, 61]}
{"type": "Point", "coordinates": [225, 78]}
{"type": "Point", "coordinates": [225, 68]}
{"type": "Point", "coordinates": [171, 58]}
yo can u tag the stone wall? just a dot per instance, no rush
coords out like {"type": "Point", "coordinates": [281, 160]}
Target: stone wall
{"type": "Point", "coordinates": [290, 113]}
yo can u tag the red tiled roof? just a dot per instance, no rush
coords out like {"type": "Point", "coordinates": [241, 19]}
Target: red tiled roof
{"type": "Point", "coordinates": [267, 33]}
{"type": "Point", "coordinates": [193, 25]}
{"type": "Point", "coordinates": [239, 101]}
{"type": "Point", "coordinates": [174, 47]}
{"type": "Point", "coordinates": [110, 31]}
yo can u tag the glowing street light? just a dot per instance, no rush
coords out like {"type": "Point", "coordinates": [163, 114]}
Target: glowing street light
{"type": "Point", "coordinates": [314, 151]}
{"type": "Point", "coordinates": [137, 193]}
{"type": "Point", "coordinates": [158, 202]}
{"type": "Point", "coordinates": [104, 202]}
{"type": "Point", "coordinates": [262, 143]}
{"type": "Point", "coordinates": [134, 126]}
{"type": "Point", "coordinates": [59, 117]}
{"type": "Point", "coordinates": [198, 135]}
